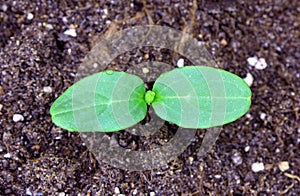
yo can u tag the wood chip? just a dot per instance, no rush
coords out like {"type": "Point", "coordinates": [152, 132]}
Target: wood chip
{"type": "Point", "coordinates": [283, 166]}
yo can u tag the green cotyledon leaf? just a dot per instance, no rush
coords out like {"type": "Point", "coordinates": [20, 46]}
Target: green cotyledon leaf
{"type": "Point", "coordinates": [103, 102]}
{"type": "Point", "coordinates": [200, 97]}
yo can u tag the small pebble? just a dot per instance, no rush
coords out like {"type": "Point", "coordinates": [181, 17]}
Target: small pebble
{"type": "Point", "coordinates": [65, 19]}
{"type": "Point", "coordinates": [248, 115]}
{"type": "Point", "coordinates": [237, 159]}
{"type": "Point", "coordinates": [7, 156]}
{"type": "Point", "coordinates": [48, 26]}
{"type": "Point", "coordinates": [4, 7]}
{"type": "Point", "coordinates": [257, 167]}
{"type": "Point", "coordinates": [152, 194]}
{"type": "Point", "coordinates": [249, 79]}
{"type": "Point", "coordinates": [105, 11]}
{"type": "Point", "coordinates": [95, 65]}
{"type": "Point", "coordinates": [261, 64]}
{"type": "Point", "coordinates": [28, 192]}
{"type": "Point", "coordinates": [30, 16]}
{"type": "Point", "coordinates": [145, 70]}
{"type": "Point", "coordinates": [223, 42]}
{"type": "Point", "coordinates": [134, 192]}
{"type": "Point", "coordinates": [1, 106]}
{"type": "Point", "coordinates": [117, 190]}
{"type": "Point", "coordinates": [252, 61]}
{"type": "Point", "coordinates": [71, 32]}
{"type": "Point", "coordinates": [218, 176]}
{"type": "Point", "coordinates": [47, 89]}
{"type": "Point", "coordinates": [61, 194]}
{"type": "Point", "coordinates": [257, 63]}
{"type": "Point", "coordinates": [180, 63]}
{"type": "Point", "coordinates": [247, 148]}
{"type": "Point", "coordinates": [263, 116]}
{"type": "Point", "coordinates": [18, 117]}
{"type": "Point", "coordinates": [283, 166]}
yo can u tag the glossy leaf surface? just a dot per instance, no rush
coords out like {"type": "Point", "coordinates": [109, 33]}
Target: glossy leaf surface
{"type": "Point", "coordinates": [200, 97]}
{"type": "Point", "coordinates": [103, 102]}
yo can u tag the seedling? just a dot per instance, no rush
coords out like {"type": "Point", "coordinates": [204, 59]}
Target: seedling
{"type": "Point", "coordinates": [190, 97]}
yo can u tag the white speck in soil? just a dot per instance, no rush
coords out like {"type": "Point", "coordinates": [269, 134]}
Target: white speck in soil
{"type": "Point", "coordinates": [218, 176]}
{"type": "Point", "coordinates": [105, 13]}
{"type": "Point", "coordinates": [263, 116]}
{"type": "Point", "coordinates": [7, 156]}
{"type": "Point", "coordinates": [261, 64]}
{"type": "Point", "coordinates": [95, 65]}
{"type": "Point", "coordinates": [28, 192]}
{"type": "Point", "coordinates": [152, 194]}
{"type": "Point", "coordinates": [237, 159]}
{"type": "Point", "coordinates": [30, 16]}
{"type": "Point", "coordinates": [180, 63]}
{"type": "Point", "coordinates": [258, 63]}
{"type": "Point", "coordinates": [48, 26]}
{"type": "Point", "coordinates": [252, 61]}
{"type": "Point", "coordinates": [145, 70]}
{"type": "Point", "coordinates": [117, 190]}
{"type": "Point", "coordinates": [47, 89]}
{"type": "Point", "coordinates": [134, 192]}
{"type": "Point", "coordinates": [247, 148]}
{"type": "Point", "coordinates": [1, 106]}
{"type": "Point", "coordinates": [257, 167]}
{"type": "Point", "coordinates": [4, 7]}
{"type": "Point", "coordinates": [18, 117]}
{"type": "Point", "coordinates": [71, 32]}
{"type": "Point", "coordinates": [249, 79]}
{"type": "Point", "coordinates": [65, 19]}
{"type": "Point", "coordinates": [191, 159]}
{"type": "Point", "coordinates": [248, 115]}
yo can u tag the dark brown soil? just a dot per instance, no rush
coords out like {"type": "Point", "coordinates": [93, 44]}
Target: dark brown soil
{"type": "Point", "coordinates": [39, 158]}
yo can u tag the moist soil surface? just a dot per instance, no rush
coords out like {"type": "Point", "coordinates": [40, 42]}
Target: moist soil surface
{"type": "Point", "coordinates": [39, 60]}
